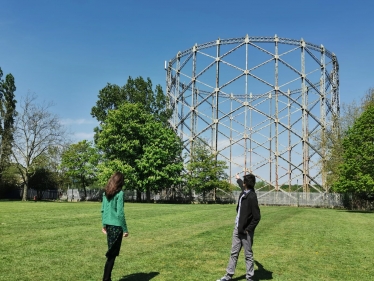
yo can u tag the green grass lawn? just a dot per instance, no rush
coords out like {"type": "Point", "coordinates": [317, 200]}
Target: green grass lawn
{"type": "Point", "coordinates": [63, 241]}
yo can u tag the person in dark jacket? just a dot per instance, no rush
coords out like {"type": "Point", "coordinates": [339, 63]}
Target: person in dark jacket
{"type": "Point", "coordinates": [248, 217]}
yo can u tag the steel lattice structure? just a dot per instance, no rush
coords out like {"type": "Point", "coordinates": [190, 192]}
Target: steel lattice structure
{"type": "Point", "coordinates": [262, 104]}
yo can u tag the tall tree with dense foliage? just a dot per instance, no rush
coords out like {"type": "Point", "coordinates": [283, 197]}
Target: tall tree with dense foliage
{"type": "Point", "coordinates": [336, 132]}
{"type": "Point", "coordinates": [204, 172]}
{"type": "Point", "coordinates": [356, 173]}
{"type": "Point", "coordinates": [146, 151]}
{"type": "Point", "coordinates": [79, 161]}
{"type": "Point", "coordinates": [7, 116]}
{"type": "Point", "coordinates": [36, 131]}
{"type": "Point", "coordinates": [134, 91]}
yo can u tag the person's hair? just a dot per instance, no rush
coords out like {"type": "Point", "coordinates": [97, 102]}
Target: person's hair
{"type": "Point", "coordinates": [114, 185]}
{"type": "Point", "coordinates": [249, 181]}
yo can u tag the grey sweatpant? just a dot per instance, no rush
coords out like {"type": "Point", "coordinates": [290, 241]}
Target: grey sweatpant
{"type": "Point", "coordinates": [239, 241]}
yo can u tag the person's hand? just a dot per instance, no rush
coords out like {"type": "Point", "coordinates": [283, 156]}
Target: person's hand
{"type": "Point", "coordinates": [237, 176]}
{"type": "Point", "coordinates": [103, 230]}
{"type": "Point", "coordinates": [125, 234]}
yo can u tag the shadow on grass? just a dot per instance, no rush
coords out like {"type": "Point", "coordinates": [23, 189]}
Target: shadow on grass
{"type": "Point", "coordinates": [260, 274]}
{"type": "Point", "coordinates": [139, 276]}
{"type": "Point", "coordinates": [357, 211]}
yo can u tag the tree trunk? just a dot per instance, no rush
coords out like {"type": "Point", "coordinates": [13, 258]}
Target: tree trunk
{"type": "Point", "coordinates": [138, 196]}
{"type": "Point", "coordinates": [39, 194]}
{"type": "Point", "coordinates": [148, 195]}
{"type": "Point", "coordinates": [24, 196]}
{"type": "Point", "coordinates": [85, 193]}
{"type": "Point", "coordinates": [83, 182]}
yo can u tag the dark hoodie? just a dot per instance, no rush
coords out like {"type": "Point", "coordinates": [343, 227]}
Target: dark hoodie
{"type": "Point", "coordinates": [250, 215]}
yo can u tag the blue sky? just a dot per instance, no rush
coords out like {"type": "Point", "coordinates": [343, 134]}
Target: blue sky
{"type": "Point", "coordinates": [66, 51]}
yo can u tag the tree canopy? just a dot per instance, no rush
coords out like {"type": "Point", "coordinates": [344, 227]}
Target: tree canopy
{"type": "Point", "coordinates": [80, 161]}
{"type": "Point", "coordinates": [338, 130]}
{"type": "Point", "coordinates": [356, 173]}
{"type": "Point", "coordinates": [134, 142]}
{"type": "Point", "coordinates": [134, 91]}
{"type": "Point", "coordinates": [7, 116]}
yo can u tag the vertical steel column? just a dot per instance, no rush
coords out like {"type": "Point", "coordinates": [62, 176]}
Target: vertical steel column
{"type": "Point", "coordinates": [304, 114]}
{"type": "Point", "coordinates": [178, 93]}
{"type": "Point", "coordinates": [193, 101]}
{"type": "Point", "coordinates": [323, 117]}
{"type": "Point", "coordinates": [276, 90]}
{"type": "Point", "coordinates": [270, 138]}
{"type": "Point", "coordinates": [245, 136]}
{"type": "Point", "coordinates": [215, 118]}
{"type": "Point", "coordinates": [172, 102]}
{"type": "Point", "coordinates": [307, 148]}
{"type": "Point", "coordinates": [250, 132]}
{"type": "Point", "coordinates": [335, 85]}
{"type": "Point", "coordinates": [196, 94]}
{"type": "Point", "coordinates": [231, 118]}
{"type": "Point", "coordinates": [289, 141]}
{"type": "Point", "coordinates": [250, 109]}
{"type": "Point", "coordinates": [182, 117]}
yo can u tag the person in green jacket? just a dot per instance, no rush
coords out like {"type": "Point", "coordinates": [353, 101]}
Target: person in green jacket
{"type": "Point", "coordinates": [113, 220]}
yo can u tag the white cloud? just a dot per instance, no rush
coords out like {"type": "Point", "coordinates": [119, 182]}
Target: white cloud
{"type": "Point", "coordinates": [83, 136]}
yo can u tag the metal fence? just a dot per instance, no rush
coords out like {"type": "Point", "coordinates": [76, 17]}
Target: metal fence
{"type": "Point", "coordinates": [311, 199]}
{"type": "Point", "coordinates": [49, 194]}
{"type": "Point", "coordinates": [297, 198]}
{"type": "Point", "coordinates": [277, 198]}
{"type": "Point", "coordinates": [79, 195]}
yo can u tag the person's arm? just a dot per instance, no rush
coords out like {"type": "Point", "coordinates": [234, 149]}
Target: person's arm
{"type": "Point", "coordinates": [121, 214]}
{"type": "Point", "coordinates": [240, 183]}
{"type": "Point", "coordinates": [102, 215]}
{"type": "Point", "coordinates": [256, 215]}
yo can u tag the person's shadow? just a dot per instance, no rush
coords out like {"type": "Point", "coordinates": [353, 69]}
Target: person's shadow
{"type": "Point", "coordinates": [260, 274]}
{"type": "Point", "coordinates": [139, 276]}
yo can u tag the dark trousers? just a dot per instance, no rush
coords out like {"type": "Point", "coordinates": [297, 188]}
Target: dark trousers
{"type": "Point", "coordinates": [108, 268]}
{"type": "Point", "coordinates": [114, 239]}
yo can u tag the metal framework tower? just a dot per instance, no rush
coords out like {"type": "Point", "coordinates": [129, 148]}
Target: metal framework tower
{"type": "Point", "coordinates": [261, 103]}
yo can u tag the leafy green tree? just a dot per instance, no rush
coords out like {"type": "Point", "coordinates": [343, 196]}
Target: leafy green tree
{"type": "Point", "coordinates": [332, 142]}
{"type": "Point", "coordinates": [80, 161]}
{"type": "Point", "coordinates": [7, 116]}
{"type": "Point", "coordinates": [205, 173]}
{"type": "Point", "coordinates": [134, 91]}
{"type": "Point", "coordinates": [10, 180]}
{"type": "Point", "coordinates": [134, 142]}
{"type": "Point", "coordinates": [356, 173]}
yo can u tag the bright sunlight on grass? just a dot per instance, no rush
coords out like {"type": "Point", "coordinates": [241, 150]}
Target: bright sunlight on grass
{"type": "Point", "coordinates": [63, 241]}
